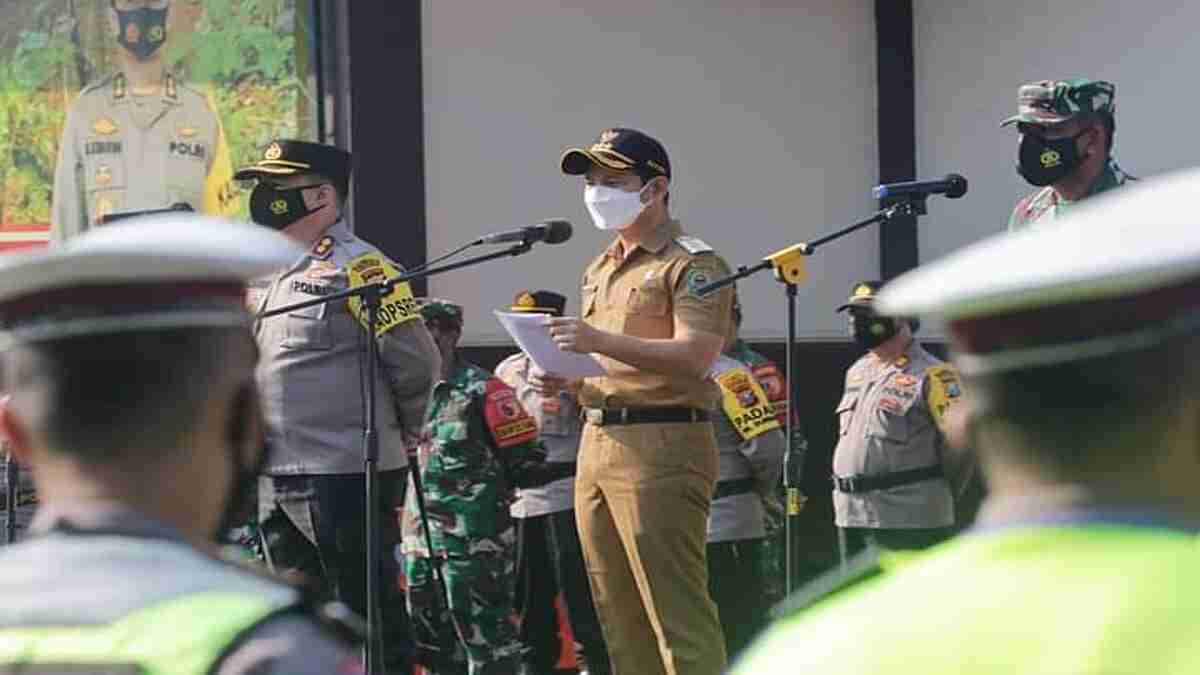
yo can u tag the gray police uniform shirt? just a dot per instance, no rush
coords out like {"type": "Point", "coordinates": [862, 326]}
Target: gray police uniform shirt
{"type": "Point", "coordinates": [121, 152]}
{"type": "Point", "coordinates": [311, 369]}
{"type": "Point", "coordinates": [761, 458]}
{"type": "Point", "coordinates": [559, 429]}
{"type": "Point", "coordinates": [114, 561]}
{"type": "Point", "coordinates": [885, 425]}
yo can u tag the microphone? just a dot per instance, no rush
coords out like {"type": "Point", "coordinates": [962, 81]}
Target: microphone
{"type": "Point", "coordinates": [953, 186]}
{"type": "Point", "coordinates": [551, 232]}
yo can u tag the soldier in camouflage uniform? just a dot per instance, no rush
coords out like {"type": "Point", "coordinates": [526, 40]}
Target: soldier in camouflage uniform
{"type": "Point", "coordinates": [1066, 137]}
{"type": "Point", "coordinates": [478, 445]}
{"type": "Point", "coordinates": [139, 139]}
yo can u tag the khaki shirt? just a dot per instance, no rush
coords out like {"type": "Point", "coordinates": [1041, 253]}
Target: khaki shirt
{"type": "Point", "coordinates": [310, 368]}
{"type": "Point", "coordinates": [890, 419]}
{"type": "Point", "coordinates": [559, 428]}
{"type": "Point", "coordinates": [643, 292]}
{"type": "Point", "coordinates": [121, 152]}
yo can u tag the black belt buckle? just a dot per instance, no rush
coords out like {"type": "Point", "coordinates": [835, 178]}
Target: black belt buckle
{"type": "Point", "coordinates": [844, 483]}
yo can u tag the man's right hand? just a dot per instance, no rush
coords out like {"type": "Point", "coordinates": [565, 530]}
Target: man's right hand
{"type": "Point", "coordinates": [547, 385]}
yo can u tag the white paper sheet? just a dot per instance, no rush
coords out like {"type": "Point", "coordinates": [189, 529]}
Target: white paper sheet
{"type": "Point", "coordinates": [533, 337]}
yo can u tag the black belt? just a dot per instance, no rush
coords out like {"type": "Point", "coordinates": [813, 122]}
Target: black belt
{"type": "Point", "coordinates": [883, 481]}
{"type": "Point", "coordinates": [729, 488]}
{"type": "Point", "coordinates": [605, 416]}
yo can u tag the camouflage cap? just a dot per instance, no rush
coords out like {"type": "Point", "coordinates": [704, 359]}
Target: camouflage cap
{"type": "Point", "coordinates": [435, 309]}
{"type": "Point", "coordinates": [1051, 102]}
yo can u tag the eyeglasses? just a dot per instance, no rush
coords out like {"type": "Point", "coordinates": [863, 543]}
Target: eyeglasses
{"type": "Point", "coordinates": [129, 5]}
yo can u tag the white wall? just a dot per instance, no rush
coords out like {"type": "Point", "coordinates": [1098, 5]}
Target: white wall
{"type": "Point", "coordinates": [767, 109]}
{"type": "Point", "coordinates": [971, 57]}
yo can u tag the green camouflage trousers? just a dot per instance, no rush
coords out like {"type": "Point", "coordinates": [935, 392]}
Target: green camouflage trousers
{"type": "Point", "coordinates": [480, 591]}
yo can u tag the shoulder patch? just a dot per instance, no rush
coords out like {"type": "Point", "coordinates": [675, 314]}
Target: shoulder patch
{"type": "Point", "coordinates": [943, 393]}
{"type": "Point", "coordinates": [506, 418]}
{"type": "Point", "coordinates": [322, 249]}
{"type": "Point", "coordinates": [396, 308]}
{"type": "Point", "coordinates": [693, 245]}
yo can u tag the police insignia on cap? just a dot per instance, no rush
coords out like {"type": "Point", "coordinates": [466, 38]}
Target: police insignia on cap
{"type": "Point", "coordinates": [526, 300]}
{"type": "Point", "coordinates": [862, 291]}
{"type": "Point", "coordinates": [273, 151]}
{"type": "Point", "coordinates": [104, 126]}
{"type": "Point", "coordinates": [608, 136]}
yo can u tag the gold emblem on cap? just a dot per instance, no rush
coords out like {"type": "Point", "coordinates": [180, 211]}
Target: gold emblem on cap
{"type": "Point", "coordinates": [105, 126]}
{"type": "Point", "coordinates": [526, 300]}
{"type": "Point", "coordinates": [1050, 159]}
{"type": "Point", "coordinates": [609, 135]}
{"type": "Point", "coordinates": [273, 151]}
{"type": "Point", "coordinates": [862, 291]}
{"type": "Point", "coordinates": [279, 207]}
{"type": "Point", "coordinates": [103, 175]}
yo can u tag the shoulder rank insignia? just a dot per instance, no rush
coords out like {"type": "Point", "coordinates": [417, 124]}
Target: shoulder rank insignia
{"type": "Point", "coordinates": [105, 126]}
{"type": "Point", "coordinates": [322, 249]}
{"type": "Point", "coordinates": [693, 245]}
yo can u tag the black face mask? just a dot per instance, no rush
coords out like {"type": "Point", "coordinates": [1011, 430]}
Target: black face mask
{"type": "Point", "coordinates": [243, 490]}
{"type": "Point", "coordinates": [142, 31]}
{"type": "Point", "coordinates": [277, 208]}
{"type": "Point", "coordinates": [1042, 162]}
{"type": "Point", "coordinates": [870, 331]}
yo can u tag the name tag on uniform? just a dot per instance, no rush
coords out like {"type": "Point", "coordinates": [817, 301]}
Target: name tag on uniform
{"type": "Point", "coordinates": [185, 149]}
{"type": "Point", "coordinates": [396, 308]}
{"type": "Point", "coordinates": [102, 148]}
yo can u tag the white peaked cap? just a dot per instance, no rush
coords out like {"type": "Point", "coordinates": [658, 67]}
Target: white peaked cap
{"type": "Point", "coordinates": [150, 272]}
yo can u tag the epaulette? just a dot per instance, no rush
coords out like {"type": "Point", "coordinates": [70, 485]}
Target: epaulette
{"type": "Point", "coordinates": [858, 569]}
{"type": "Point", "coordinates": [693, 245]}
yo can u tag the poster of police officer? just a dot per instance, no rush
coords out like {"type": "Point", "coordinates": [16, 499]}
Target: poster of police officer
{"type": "Point", "coordinates": [111, 106]}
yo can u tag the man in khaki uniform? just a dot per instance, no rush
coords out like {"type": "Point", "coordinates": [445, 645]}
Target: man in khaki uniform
{"type": "Point", "coordinates": [139, 139]}
{"type": "Point", "coordinates": [312, 509]}
{"type": "Point", "coordinates": [892, 474]}
{"type": "Point", "coordinates": [648, 456]}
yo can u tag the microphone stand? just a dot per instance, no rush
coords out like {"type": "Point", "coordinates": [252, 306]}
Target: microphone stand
{"type": "Point", "coordinates": [789, 267]}
{"type": "Point", "coordinates": [371, 296]}
{"type": "Point", "coordinates": [12, 477]}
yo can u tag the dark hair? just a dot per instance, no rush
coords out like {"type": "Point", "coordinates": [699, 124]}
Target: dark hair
{"type": "Point", "coordinates": [1064, 417]}
{"type": "Point", "coordinates": [119, 395]}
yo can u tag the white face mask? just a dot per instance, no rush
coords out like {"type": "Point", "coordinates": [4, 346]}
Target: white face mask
{"type": "Point", "coordinates": [613, 208]}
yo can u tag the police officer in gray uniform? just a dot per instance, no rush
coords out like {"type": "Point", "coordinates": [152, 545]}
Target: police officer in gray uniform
{"type": "Point", "coordinates": [139, 139]}
{"type": "Point", "coordinates": [892, 467]}
{"type": "Point", "coordinates": [129, 362]}
{"type": "Point", "coordinates": [750, 446]}
{"type": "Point", "coordinates": [549, 557]}
{"type": "Point", "coordinates": [312, 506]}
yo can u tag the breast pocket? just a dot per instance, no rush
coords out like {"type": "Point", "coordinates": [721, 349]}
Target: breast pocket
{"type": "Point", "coordinates": [890, 420]}
{"type": "Point", "coordinates": [647, 312]}
{"type": "Point", "coordinates": [187, 169]}
{"type": "Point", "coordinates": [308, 329]}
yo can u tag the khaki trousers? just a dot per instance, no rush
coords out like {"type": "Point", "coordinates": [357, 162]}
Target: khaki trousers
{"type": "Point", "coordinates": [642, 495]}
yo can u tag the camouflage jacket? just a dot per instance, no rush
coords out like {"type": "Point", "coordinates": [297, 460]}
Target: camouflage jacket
{"type": "Point", "coordinates": [477, 444]}
{"type": "Point", "coordinates": [1045, 205]}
